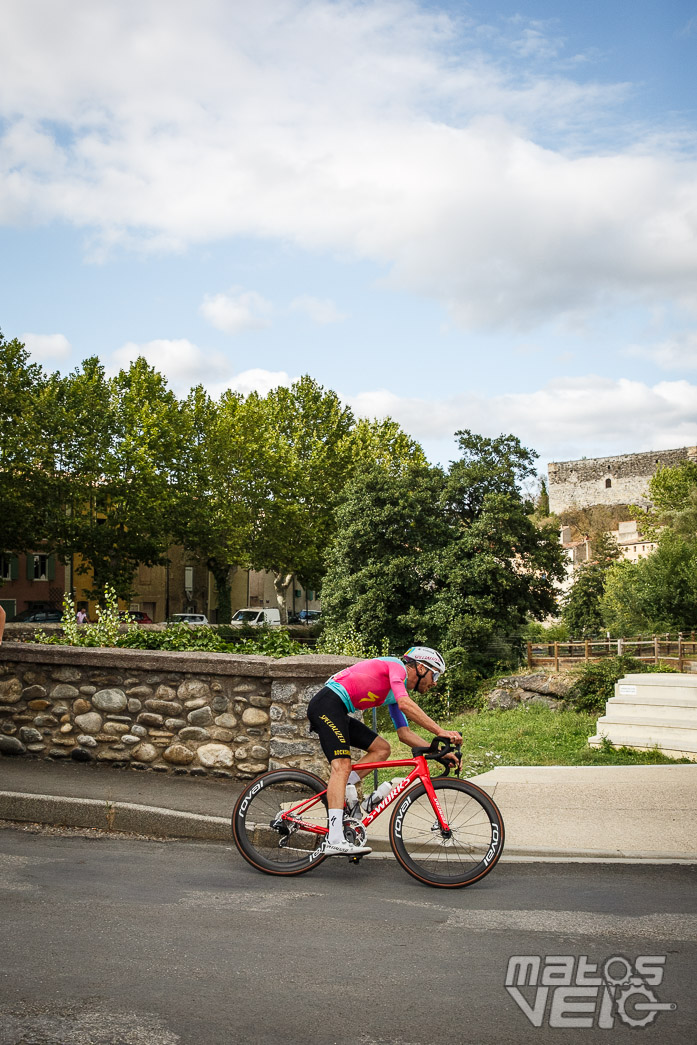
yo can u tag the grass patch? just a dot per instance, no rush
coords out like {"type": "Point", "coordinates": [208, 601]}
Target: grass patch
{"type": "Point", "coordinates": [531, 735]}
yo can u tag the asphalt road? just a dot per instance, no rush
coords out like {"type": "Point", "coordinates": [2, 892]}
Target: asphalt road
{"type": "Point", "coordinates": [113, 941]}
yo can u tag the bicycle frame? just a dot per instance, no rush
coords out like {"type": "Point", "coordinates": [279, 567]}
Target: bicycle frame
{"type": "Point", "coordinates": [419, 772]}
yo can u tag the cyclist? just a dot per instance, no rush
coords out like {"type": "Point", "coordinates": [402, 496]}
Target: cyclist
{"type": "Point", "coordinates": [368, 684]}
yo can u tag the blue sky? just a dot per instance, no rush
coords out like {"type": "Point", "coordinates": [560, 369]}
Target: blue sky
{"type": "Point", "coordinates": [477, 215]}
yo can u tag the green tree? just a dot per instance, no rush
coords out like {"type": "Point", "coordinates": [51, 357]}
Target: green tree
{"type": "Point", "coordinates": [658, 593]}
{"type": "Point", "coordinates": [498, 568]}
{"type": "Point", "coordinates": [23, 484]}
{"type": "Point", "coordinates": [449, 559]}
{"type": "Point", "coordinates": [294, 525]}
{"type": "Point", "coordinates": [583, 609]}
{"type": "Point", "coordinates": [673, 496]}
{"type": "Point", "coordinates": [110, 459]}
{"type": "Point", "coordinates": [381, 563]}
{"type": "Point", "coordinates": [382, 442]}
{"type": "Point", "coordinates": [225, 474]}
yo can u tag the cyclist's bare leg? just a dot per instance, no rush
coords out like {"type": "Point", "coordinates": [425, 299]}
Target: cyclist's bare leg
{"type": "Point", "coordinates": [378, 751]}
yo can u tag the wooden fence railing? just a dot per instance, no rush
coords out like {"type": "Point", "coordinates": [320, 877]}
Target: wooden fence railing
{"type": "Point", "coordinates": [681, 651]}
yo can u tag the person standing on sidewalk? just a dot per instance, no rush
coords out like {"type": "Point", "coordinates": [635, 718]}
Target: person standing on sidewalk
{"type": "Point", "coordinates": [369, 684]}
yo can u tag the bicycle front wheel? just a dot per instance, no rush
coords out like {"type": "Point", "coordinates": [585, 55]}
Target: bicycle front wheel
{"type": "Point", "coordinates": [268, 842]}
{"type": "Point", "coordinates": [464, 855]}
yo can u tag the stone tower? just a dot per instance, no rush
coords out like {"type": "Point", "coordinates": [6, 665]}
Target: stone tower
{"type": "Point", "coordinates": [609, 480]}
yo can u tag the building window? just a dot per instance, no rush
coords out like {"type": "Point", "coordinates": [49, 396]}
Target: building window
{"type": "Point", "coordinates": [40, 567]}
{"type": "Point", "coordinates": [188, 579]}
{"type": "Point", "coordinates": [608, 484]}
{"type": "Point", "coordinates": [5, 568]}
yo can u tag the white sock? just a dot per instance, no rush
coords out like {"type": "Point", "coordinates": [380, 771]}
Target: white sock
{"type": "Point", "coordinates": [336, 825]}
{"type": "Point", "coordinates": [353, 777]}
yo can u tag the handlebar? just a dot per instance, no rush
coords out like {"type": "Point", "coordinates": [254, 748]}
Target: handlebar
{"type": "Point", "coordinates": [437, 750]}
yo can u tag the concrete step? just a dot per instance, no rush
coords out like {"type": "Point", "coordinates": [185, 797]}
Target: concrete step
{"type": "Point", "coordinates": [685, 749]}
{"type": "Point", "coordinates": [649, 728]}
{"type": "Point", "coordinates": [676, 698]}
{"type": "Point", "coordinates": [652, 712]}
{"type": "Point", "coordinates": [661, 684]}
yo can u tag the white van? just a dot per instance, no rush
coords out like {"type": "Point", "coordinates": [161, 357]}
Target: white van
{"type": "Point", "coordinates": [258, 615]}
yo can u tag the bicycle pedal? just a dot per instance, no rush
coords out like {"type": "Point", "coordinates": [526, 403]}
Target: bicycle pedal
{"type": "Point", "coordinates": [355, 859]}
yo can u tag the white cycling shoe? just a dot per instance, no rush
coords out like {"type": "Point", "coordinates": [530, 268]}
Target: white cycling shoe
{"type": "Point", "coordinates": [344, 848]}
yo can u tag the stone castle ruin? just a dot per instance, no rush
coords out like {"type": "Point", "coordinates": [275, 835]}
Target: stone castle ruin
{"type": "Point", "coordinates": [609, 480]}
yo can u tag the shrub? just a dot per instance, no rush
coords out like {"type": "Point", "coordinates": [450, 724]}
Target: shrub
{"type": "Point", "coordinates": [179, 636]}
{"type": "Point", "coordinates": [266, 642]}
{"type": "Point", "coordinates": [596, 680]}
{"type": "Point", "coordinates": [346, 641]}
{"type": "Point", "coordinates": [105, 631]}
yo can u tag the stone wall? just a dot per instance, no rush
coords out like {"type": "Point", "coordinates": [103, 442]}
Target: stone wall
{"type": "Point", "coordinates": [196, 713]}
{"type": "Point", "coordinates": [580, 484]}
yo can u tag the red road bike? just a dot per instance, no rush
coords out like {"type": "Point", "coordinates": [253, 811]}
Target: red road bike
{"type": "Point", "coordinates": [444, 832]}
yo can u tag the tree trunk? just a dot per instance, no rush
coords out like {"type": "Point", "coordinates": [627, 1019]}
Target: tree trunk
{"type": "Point", "coordinates": [281, 583]}
{"type": "Point", "coordinates": [221, 576]}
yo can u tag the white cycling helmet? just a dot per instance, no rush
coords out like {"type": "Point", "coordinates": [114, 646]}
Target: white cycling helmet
{"type": "Point", "coordinates": [430, 659]}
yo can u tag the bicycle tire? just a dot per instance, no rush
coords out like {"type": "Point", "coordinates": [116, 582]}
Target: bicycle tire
{"type": "Point", "coordinates": [474, 847]}
{"type": "Point", "coordinates": [266, 847]}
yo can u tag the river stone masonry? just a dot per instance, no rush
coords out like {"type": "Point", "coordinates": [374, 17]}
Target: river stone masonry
{"type": "Point", "coordinates": [549, 690]}
{"type": "Point", "coordinates": [186, 713]}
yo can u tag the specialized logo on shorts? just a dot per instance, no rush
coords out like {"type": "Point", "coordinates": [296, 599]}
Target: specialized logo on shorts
{"type": "Point", "coordinates": [340, 735]}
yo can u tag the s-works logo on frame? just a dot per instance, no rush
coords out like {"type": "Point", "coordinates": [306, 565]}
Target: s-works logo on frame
{"type": "Point", "coordinates": [562, 990]}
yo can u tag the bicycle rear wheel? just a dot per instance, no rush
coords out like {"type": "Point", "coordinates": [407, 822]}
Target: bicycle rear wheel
{"type": "Point", "coordinates": [263, 839]}
{"type": "Point", "coordinates": [471, 849]}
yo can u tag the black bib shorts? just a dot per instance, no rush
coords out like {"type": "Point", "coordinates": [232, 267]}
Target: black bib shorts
{"type": "Point", "coordinates": [337, 730]}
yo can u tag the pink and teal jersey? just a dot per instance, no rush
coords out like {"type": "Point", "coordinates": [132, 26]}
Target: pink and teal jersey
{"type": "Point", "coordinates": [371, 683]}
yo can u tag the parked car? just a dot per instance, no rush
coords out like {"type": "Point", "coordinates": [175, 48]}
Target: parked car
{"type": "Point", "coordinates": [257, 615]}
{"type": "Point", "coordinates": [137, 615]}
{"type": "Point", "coordinates": [195, 619]}
{"type": "Point", "coordinates": [308, 616]}
{"type": "Point", "coordinates": [39, 617]}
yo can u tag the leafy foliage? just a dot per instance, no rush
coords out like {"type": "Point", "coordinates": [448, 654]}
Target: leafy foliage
{"type": "Point", "coordinates": [596, 681]}
{"type": "Point", "coordinates": [673, 495]}
{"type": "Point", "coordinates": [450, 559]}
{"type": "Point", "coordinates": [348, 642]}
{"type": "Point", "coordinates": [380, 566]}
{"type": "Point", "coordinates": [267, 642]}
{"type": "Point", "coordinates": [583, 613]}
{"type": "Point", "coordinates": [659, 593]}
{"type": "Point", "coordinates": [22, 480]}
{"type": "Point", "coordinates": [105, 631]}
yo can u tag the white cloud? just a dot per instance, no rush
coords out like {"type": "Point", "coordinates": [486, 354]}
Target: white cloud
{"type": "Point", "coordinates": [565, 420]}
{"type": "Point", "coordinates": [261, 381]}
{"type": "Point", "coordinates": [236, 311]}
{"type": "Point", "coordinates": [676, 353]}
{"type": "Point", "coordinates": [320, 310]}
{"type": "Point", "coordinates": [185, 365]}
{"type": "Point", "coordinates": [389, 131]}
{"type": "Point", "coordinates": [47, 348]}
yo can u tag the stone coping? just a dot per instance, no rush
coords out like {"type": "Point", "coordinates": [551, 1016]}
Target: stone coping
{"type": "Point", "coordinates": [311, 666]}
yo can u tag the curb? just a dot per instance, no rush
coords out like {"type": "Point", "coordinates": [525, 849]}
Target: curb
{"type": "Point", "coordinates": [131, 818]}
{"type": "Point", "coordinates": [112, 816]}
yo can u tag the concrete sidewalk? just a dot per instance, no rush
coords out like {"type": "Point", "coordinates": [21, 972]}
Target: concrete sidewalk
{"type": "Point", "coordinates": [606, 813]}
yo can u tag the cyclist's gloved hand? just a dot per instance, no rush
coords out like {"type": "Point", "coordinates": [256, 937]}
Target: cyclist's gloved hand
{"type": "Point", "coordinates": [453, 759]}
